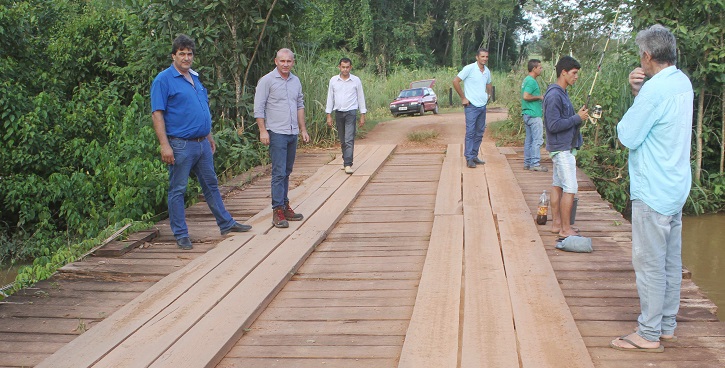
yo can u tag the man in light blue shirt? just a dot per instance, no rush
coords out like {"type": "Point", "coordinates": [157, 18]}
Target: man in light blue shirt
{"type": "Point", "coordinates": [279, 109]}
{"type": "Point", "coordinates": [657, 130]}
{"type": "Point", "coordinates": [477, 86]}
{"type": "Point", "coordinates": [345, 97]}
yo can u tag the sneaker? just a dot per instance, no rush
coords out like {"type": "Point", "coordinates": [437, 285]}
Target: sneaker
{"type": "Point", "coordinates": [471, 164]}
{"type": "Point", "coordinates": [290, 214]}
{"type": "Point", "coordinates": [184, 243]}
{"type": "Point", "coordinates": [538, 168]}
{"type": "Point", "coordinates": [278, 219]}
{"type": "Point", "coordinates": [478, 161]}
{"type": "Point", "coordinates": [527, 167]}
{"type": "Point", "coordinates": [348, 170]}
{"type": "Point", "coordinates": [237, 228]}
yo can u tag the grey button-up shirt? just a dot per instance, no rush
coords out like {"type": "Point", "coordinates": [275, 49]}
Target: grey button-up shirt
{"type": "Point", "coordinates": [277, 100]}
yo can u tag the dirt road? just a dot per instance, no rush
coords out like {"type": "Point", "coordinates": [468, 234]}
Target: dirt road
{"type": "Point", "coordinates": [450, 127]}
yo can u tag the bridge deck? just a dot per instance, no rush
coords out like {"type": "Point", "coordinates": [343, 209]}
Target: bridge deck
{"type": "Point", "coordinates": [413, 261]}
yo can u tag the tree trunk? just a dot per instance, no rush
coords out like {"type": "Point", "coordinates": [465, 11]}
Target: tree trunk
{"type": "Point", "coordinates": [698, 132]}
{"type": "Point", "coordinates": [456, 51]}
{"type": "Point", "coordinates": [722, 134]}
{"type": "Point", "coordinates": [256, 47]}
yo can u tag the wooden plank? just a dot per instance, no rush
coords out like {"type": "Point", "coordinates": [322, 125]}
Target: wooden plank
{"type": "Point", "coordinates": [488, 317]}
{"type": "Point", "coordinates": [243, 304]}
{"type": "Point", "coordinates": [371, 166]}
{"type": "Point", "coordinates": [432, 337]}
{"type": "Point", "coordinates": [449, 199]}
{"type": "Point", "coordinates": [538, 304]}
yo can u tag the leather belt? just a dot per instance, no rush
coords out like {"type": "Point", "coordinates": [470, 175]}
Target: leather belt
{"type": "Point", "coordinates": [198, 139]}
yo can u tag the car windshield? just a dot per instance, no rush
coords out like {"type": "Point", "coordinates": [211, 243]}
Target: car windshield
{"type": "Point", "coordinates": [411, 93]}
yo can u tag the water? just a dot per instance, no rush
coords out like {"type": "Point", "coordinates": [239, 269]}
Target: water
{"type": "Point", "coordinates": [703, 253]}
{"type": "Point", "coordinates": [8, 273]}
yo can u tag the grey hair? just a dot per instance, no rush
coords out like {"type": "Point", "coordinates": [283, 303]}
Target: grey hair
{"type": "Point", "coordinates": [659, 43]}
{"type": "Point", "coordinates": [286, 51]}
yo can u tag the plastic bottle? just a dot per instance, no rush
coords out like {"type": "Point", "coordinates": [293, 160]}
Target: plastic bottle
{"type": "Point", "coordinates": [541, 214]}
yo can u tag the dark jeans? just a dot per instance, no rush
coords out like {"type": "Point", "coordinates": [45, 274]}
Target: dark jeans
{"type": "Point", "coordinates": [282, 151]}
{"type": "Point", "coordinates": [346, 129]}
{"type": "Point", "coordinates": [196, 157]}
{"type": "Point", "coordinates": [475, 126]}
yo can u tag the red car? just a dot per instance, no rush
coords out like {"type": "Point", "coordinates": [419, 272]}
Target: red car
{"type": "Point", "coordinates": [418, 99]}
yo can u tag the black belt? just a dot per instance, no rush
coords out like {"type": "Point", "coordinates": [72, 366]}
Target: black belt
{"type": "Point", "coordinates": [197, 139]}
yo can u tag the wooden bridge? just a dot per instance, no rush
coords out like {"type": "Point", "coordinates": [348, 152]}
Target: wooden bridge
{"type": "Point", "coordinates": [412, 261]}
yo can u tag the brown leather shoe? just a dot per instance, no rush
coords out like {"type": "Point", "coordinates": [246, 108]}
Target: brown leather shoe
{"type": "Point", "coordinates": [290, 214]}
{"type": "Point", "coordinates": [278, 219]}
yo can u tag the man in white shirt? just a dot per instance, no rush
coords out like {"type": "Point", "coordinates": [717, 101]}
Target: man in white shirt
{"type": "Point", "coordinates": [345, 97]}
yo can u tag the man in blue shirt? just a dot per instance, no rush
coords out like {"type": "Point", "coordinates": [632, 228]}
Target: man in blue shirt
{"type": "Point", "coordinates": [657, 130]}
{"type": "Point", "coordinates": [476, 78]}
{"type": "Point", "coordinates": [182, 121]}
{"type": "Point", "coordinates": [279, 109]}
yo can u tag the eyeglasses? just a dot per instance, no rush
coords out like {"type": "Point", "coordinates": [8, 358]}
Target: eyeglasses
{"type": "Point", "coordinates": [184, 54]}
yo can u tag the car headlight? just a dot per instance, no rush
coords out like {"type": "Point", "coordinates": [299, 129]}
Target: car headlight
{"type": "Point", "coordinates": [413, 103]}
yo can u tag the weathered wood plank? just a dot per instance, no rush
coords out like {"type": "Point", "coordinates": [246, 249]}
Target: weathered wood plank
{"type": "Point", "coordinates": [432, 337]}
{"type": "Point", "coordinates": [487, 304]}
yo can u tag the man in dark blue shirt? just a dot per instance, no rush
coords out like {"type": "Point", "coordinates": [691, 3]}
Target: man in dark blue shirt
{"type": "Point", "coordinates": [182, 121]}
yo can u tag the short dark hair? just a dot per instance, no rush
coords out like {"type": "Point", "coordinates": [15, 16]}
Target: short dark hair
{"type": "Point", "coordinates": [481, 50]}
{"type": "Point", "coordinates": [182, 42]}
{"type": "Point", "coordinates": [566, 63]}
{"type": "Point", "coordinates": [533, 63]}
{"type": "Point", "coordinates": [345, 60]}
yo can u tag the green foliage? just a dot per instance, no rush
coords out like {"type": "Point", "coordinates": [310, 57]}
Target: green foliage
{"type": "Point", "coordinates": [422, 135]}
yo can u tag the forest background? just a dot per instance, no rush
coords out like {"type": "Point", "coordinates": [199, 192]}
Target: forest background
{"type": "Point", "coordinates": [79, 158]}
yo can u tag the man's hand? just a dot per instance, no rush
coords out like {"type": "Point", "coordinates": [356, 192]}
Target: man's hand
{"type": "Point", "coordinates": [167, 154]}
{"type": "Point", "coordinates": [464, 101]}
{"type": "Point", "coordinates": [264, 137]}
{"type": "Point", "coordinates": [305, 136]}
{"type": "Point", "coordinates": [329, 120]}
{"type": "Point", "coordinates": [583, 113]}
{"type": "Point", "coordinates": [362, 120]}
{"type": "Point", "coordinates": [212, 143]}
{"type": "Point", "coordinates": [636, 80]}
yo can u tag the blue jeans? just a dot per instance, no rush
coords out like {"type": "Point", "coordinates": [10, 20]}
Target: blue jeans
{"type": "Point", "coordinates": [282, 151]}
{"type": "Point", "coordinates": [475, 126]}
{"type": "Point", "coordinates": [534, 139]}
{"type": "Point", "coordinates": [196, 157]}
{"type": "Point", "coordinates": [657, 261]}
{"type": "Point", "coordinates": [346, 129]}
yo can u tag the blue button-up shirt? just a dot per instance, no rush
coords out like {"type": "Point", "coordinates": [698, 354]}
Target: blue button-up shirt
{"type": "Point", "coordinates": [185, 106]}
{"type": "Point", "coordinates": [474, 84]}
{"type": "Point", "coordinates": [657, 129]}
{"type": "Point", "coordinates": [277, 100]}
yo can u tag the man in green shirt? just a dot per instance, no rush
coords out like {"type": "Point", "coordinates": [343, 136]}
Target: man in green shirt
{"type": "Point", "coordinates": [531, 98]}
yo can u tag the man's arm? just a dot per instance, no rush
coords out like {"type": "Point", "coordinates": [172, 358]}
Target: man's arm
{"type": "Point", "coordinates": [302, 125]}
{"type": "Point", "coordinates": [167, 153]}
{"type": "Point", "coordinates": [636, 80]}
{"type": "Point", "coordinates": [554, 115]}
{"type": "Point", "coordinates": [361, 103]}
{"type": "Point", "coordinates": [457, 86]}
{"type": "Point", "coordinates": [529, 97]}
{"type": "Point", "coordinates": [330, 103]}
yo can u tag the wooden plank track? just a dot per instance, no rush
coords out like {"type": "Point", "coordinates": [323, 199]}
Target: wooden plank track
{"type": "Point", "coordinates": [539, 307]}
{"type": "Point", "coordinates": [600, 288]}
{"type": "Point", "coordinates": [143, 330]}
{"type": "Point", "coordinates": [432, 336]}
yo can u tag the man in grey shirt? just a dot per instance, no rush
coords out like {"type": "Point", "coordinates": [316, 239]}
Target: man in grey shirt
{"type": "Point", "coordinates": [279, 109]}
{"type": "Point", "coordinates": [345, 97]}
